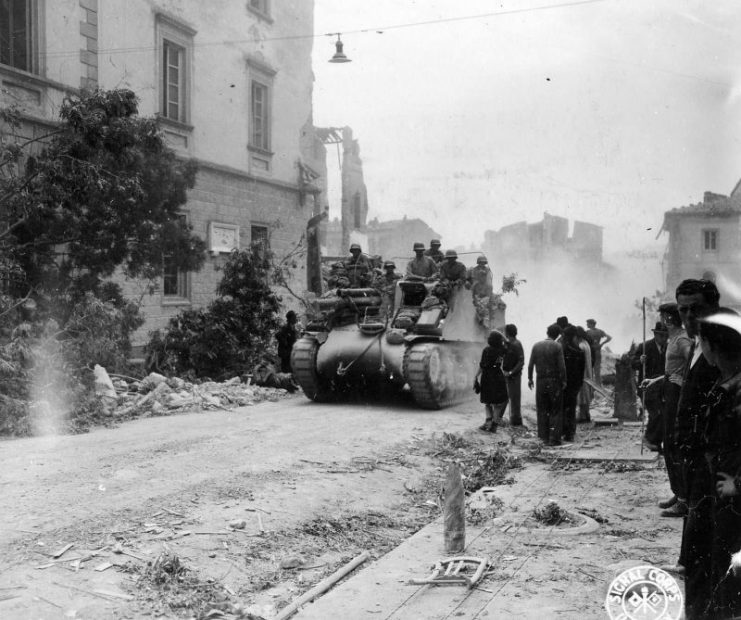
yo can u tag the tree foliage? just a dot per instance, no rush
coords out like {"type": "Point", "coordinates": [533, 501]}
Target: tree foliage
{"type": "Point", "coordinates": [97, 193]}
{"type": "Point", "coordinates": [101, 191]}
{"type": "Point", "coordinates": [228, 337]}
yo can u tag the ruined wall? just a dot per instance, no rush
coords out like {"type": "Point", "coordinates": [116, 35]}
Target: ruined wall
{"type": "Point", "coordinates": [516, 244]}
{"type": "Point", "coordinates": [586, 241]}
{"type": "Point", "coordinates": [354, 192]}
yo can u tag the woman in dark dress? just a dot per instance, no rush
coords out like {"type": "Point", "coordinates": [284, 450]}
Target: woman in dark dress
{"type": "Point", "coordinates": [491, 382]}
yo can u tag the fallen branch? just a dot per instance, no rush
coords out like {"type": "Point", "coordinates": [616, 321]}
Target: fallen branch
{"type": "Point", "coordinates": [5, 597]}
{"type": "Point", "coordinates": [322, 586]}
{"type": "Point", "coordinates": [46, 600]}
{"type": "Point", "coordinates": [106, 597]}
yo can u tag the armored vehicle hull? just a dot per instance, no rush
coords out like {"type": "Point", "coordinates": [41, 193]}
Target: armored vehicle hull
{"type": "Point", "coordinates": [359, 341]}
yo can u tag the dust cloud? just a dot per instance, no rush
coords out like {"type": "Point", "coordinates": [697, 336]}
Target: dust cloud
{"type": "Point", "coordinates": [608, 292]}
{"type": "Point", "coordinates": [49, 407]}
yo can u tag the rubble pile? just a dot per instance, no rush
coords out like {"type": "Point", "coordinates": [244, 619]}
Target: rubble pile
{"type": "Point", "coordinates": [160, 395]}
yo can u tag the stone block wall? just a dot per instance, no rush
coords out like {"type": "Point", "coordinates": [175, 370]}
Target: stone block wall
{"type": "Point", "coordinates": [229, 197]}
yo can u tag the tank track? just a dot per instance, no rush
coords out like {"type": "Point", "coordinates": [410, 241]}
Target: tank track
{"type": "Point", "coordinates": [440, 374]}
{"type": "Point", "coordinates": [303, 365]}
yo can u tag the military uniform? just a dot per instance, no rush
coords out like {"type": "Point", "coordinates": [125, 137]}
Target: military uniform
{"type": "Point", "coordinates": [453, 271]}
{"type": "Point", "coordinates": [338, 276]}
{"type": "Point", "coordinates": [435, 254]}
{"type": "Point", "coordinates": [480, 280]}
{"type": "Point", "coordinates": [386, 283]}
{"type": "Point", "coordinates": [422, 266]}
{"type": "Point", "coordinates": [359, 268]}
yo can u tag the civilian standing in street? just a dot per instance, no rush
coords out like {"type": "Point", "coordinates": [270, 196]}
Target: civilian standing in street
{"type": "Point", "coordinates": [492, 385]}
{"type": "Point", "coordinates": [514, 362]}
{"type": "Point", "coordinates": [584, 399]}
{"type": "Point", "coordinates": [654, 358]}
{"type": "Point", "coordinates": [696, 299]}
{"type": "Point", "coordinates": [547, 360]}
{"type": "Point", "coordinates": [575, 362]}
{"type": "Point", "coordinates": [599, 340]}
{"type": "Point", "coordinates": [677, 355]}
{"type": "Point", "coordinates": [286, 337]}
{"type": "Point", "coordinates": [720, 339]}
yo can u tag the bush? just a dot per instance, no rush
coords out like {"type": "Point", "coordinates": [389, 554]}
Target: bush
{"type": "Point", "coordinates": [46, 378]}
{"type": "Point", "coordinates": [232, 334]}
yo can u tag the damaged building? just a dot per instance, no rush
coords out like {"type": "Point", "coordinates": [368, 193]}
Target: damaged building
{"type": "Point", "coordinates": [548, 239]}
{"type": "Point", "coordinates": [705, 241]}
{"type": "Point", "coordinates": [241, 108]}
{"type": "Point", "coordinates": [337, 236]}
{"type": "Point", "coordinates": [389, 239]}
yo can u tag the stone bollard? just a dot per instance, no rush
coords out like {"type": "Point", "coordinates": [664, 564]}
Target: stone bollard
{"type": "Point", "coordinates": [454, 515]}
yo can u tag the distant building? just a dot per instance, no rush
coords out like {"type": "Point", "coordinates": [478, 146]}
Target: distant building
{"type": "Point", "coordinates": [521, 242]}
{"type": "Point", "coordinates": [336, 236]}
{"type": "Point", "coordinates": [704, 239]}
{"type": "Point", "coordinates": [392, 239]}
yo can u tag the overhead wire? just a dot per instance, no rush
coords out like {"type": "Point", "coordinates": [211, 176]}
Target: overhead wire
{"type": "Point", "coordinates": [377, 29]}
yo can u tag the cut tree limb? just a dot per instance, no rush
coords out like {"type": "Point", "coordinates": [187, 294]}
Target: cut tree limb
{"type": "Point", "coordinates": [322, 586]}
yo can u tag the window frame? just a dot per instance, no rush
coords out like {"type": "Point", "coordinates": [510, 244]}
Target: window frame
{"type": "Point", "coordinates": [33, 35]}
{"type": "Point", "coordinates": [710, 234]}
{"type": "Point", "coordinates": [174, 34]}
{"type": "Point", "coordinates": [182, 279]}
{"type": "Point", "coordinates": [263, 238]}
{"type": "Point", "coordinates": [260, 74]}
{"type": "Point", "coordinates": [262, 11]}
{"type": "Point", "coordinates": [264, 142]}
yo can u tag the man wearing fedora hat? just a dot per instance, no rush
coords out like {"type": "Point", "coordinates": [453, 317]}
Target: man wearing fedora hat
{"type": "Point", "coordinates": [654, 356]}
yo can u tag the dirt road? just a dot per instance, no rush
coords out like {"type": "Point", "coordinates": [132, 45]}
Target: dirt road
{"type": "Point", "coordinates": [168, 489]}
{"type": "Point", "coordinates": [228, 514]}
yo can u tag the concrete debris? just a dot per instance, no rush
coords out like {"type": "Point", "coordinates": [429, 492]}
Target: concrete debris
{"type": "Point", "coordinates": [158, 395]}
{"type": "Point", "coordinates": [238, 524]}
{"type": "Point", "coordinates": [104, 387]}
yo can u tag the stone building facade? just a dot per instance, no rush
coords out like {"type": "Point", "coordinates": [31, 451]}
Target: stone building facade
{"type": "Point", "coordinates": [705, 239]}
{"type": "Point", "coordinates": [231, 83]}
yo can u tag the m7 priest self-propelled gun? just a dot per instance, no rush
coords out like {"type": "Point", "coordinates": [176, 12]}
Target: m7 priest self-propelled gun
{"type": "Point", "coordinates": [358, 340]}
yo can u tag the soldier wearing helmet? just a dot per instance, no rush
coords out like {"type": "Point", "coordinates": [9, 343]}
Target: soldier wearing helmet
{"type": "Point", "coordinates": [452, 269]}
{"type": "Point", "coordinates": [421, 266]}
{"type": "Point", "coordinates": [387, 285]}
{"type": "Point", "coordinates": [480, 278]}
{"type": "Point", "coordinates": [358, 267]}
{"type": "Point", "coordinates": [434, 252]}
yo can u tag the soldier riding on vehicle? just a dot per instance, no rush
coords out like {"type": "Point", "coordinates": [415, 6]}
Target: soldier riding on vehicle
{"type": "Point", "coordinates": [421, 267]}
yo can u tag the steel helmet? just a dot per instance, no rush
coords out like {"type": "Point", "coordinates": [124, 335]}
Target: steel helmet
{"type": "Point", "coordinates": [418, 246]}
{"type": "Point", "coordinates": [451, 254]}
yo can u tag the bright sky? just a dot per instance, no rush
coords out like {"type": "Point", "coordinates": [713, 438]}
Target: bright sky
{"type": "Point", "coordinates": [609, 111]}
